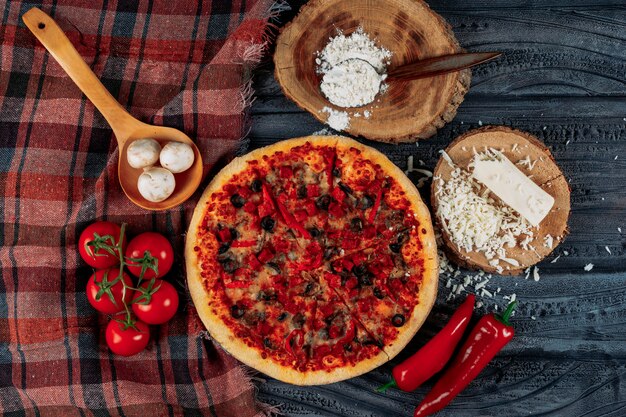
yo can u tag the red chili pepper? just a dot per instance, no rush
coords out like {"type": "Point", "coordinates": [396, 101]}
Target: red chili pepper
{"type": "Point", "coordinates": [267, 197]}
{"type": "Point", "coordinates": [291, 221]}
{"type": "Point", "coordinates": [237, 284]}
{"type": "Point", "coordinates": [254, 262]}
{"type": "Point", "coordinates": [224, 235]}
{"type": "Point", "coordinates": [287, 217]}
{"type": "Point", "coordinates": [338, 194]}
{"type": "Point", "coordinates": [300, 215]}
{"type": "Point", "coordinates": [329, 170]}
{"type": "Point", "coordinates": [243, 243]}
{"type": "Point", "coordinates": [310, 208]}
{"type": "Point", "coordinates": [313, 190]}
{"type": "Point", "coordinates": [379, 197]}
{"type": "Point", "coordinates": [296, 343]}
{"type": "Point", "coordinates": [350, 333]}
{"type": "Point", "coordinates": [250, 207]}
{"type": "Point", "coordinates": [487, 338]}
{"type": "Point", "coordinates": [433, 356]}
{"type": "Point", "coordinates": [265, 255]}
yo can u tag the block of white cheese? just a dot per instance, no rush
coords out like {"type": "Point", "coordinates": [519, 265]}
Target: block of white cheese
{"type": "Point", "coordinates": [514, 188]}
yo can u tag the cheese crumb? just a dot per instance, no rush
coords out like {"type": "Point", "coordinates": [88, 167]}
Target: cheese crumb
{"type": "Point", "coordinates": [536, 274]}
{"type": "Point", "coordinates": [338, 120]}
{"type": "Point", "coordinates": [555, 259]}
{"type": "Point", "coordinates": [527, 162]}
{"type": "Point", "coordinates": [608, 250]}
{"type": "Point", "coordinates": [547, 241]}
{"type": "Point", "coordinates": [588, 267]}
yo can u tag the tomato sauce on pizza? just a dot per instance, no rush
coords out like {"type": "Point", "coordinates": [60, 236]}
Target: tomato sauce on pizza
{"type": "Point", "coordinates": [312, 260]}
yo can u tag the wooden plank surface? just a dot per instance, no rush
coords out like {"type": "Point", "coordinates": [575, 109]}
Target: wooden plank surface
{"type": "Point", "coordinates": [563, 78]}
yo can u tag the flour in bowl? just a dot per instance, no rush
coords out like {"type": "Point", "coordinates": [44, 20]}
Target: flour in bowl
{"type": "Point", "coordinates": [353, 69]}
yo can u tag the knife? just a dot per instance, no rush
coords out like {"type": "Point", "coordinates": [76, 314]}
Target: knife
{"type": "Point", "coordinates": [444, 64]}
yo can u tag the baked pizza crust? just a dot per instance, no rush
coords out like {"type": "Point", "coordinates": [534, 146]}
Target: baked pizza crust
{"type": "Point", "coordinates": [251, 356]}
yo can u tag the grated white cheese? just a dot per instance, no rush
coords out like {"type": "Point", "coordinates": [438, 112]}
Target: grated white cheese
{"type": "Point", "coordinates": [608, 250]}
{"type": "Point", "coordinates": [472, 219]}
{"type": "Point", "coordinates": [527, 162]}
{"type": "Point", "coordinates": [548, 240]}
{"type": "Point", "coordinates": [619, 229]}
{"type": "Point", "coordinates": [555, 259]}
{"type": "Point", "coordinates": [536, 274]}
{"type": "Point", "coordinates": [588, 267]}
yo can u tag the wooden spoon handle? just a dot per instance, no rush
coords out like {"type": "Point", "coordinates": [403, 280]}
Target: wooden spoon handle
{"type": "Point", "coordinates": [439, 65]}
{"type": "Point", "coordinates": [54, 40]}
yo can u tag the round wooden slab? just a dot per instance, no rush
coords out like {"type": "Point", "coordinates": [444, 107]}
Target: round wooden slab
{"type": "Point", "coordinates": [408, 110]}
{"type": "Point", "coordinates": [545, 173]}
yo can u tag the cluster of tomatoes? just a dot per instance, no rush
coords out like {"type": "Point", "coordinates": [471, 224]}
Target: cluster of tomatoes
{"type": "Point", "coordinates": [132, 303]}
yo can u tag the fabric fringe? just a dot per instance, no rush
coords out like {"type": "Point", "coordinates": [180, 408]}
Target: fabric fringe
{"type": "Point", "coordinates": [267, 410]}
{"type": "Point", "coordinates": [251, 56]}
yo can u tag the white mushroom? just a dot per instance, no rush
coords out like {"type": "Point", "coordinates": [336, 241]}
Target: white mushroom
{"type": "Point", "coordinates": [176, 156]}
{"type": "Point", "coordinates": [143, 153]}
{"type": "Point", "coordinates": [156, 184]}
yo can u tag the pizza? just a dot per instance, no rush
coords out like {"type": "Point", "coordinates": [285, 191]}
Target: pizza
{"type": "Point", "coordinates": [312, 260]}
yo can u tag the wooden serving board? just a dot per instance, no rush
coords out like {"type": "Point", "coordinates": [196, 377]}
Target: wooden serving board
{"type": "Point", "coordinates": [561, 79]}
{"type": "Point", "coordinates": [408, 110]}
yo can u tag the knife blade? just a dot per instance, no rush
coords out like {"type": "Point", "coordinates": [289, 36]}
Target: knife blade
{"type": "Point", "coordinates": [438, 65]}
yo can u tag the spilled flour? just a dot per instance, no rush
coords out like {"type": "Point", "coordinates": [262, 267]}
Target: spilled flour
{"type": "Point", "coordinates": [353, 70]}
{"type": "Point", "coordinates": [338, 120]}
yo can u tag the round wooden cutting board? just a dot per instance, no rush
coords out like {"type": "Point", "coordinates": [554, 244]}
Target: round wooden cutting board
{"type": "Point", "coordinates": [408, 110]}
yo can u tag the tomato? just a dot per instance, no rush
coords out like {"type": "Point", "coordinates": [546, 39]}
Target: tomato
{"type": "Point", "coordinates": [156, 252]}
{"type": "Point", "coordinates": [162, 302]}
{"type": "Point", "coordinates": [105, 294]}
{"type": "Point", "coordinates": [93, 242]}
{"type": "Point", "coordinates": [127, 340]}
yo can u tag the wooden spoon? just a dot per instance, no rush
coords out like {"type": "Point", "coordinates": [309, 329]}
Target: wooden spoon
{"type": "Point", "coordinates": [125, 127]}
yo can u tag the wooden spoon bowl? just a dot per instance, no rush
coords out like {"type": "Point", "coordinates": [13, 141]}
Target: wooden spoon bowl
{"type": "Point", "coordinates": [125, 127]}
{"type": "Point", "coordinates": [409, 110]}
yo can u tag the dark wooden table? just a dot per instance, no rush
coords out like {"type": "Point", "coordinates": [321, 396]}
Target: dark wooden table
{"type": "Point", "coordinates": [563, 78]}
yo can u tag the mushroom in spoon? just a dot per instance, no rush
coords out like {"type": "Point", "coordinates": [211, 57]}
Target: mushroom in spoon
{"type": "Point", "coordinates": [125, 127]}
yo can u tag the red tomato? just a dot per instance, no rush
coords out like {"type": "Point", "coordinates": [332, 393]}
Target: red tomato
{"type": "Point", "coordinates": [106, 296]}
{"type": "Point", "coordinates": [127, 341]}
{"type": "Point", "coordinates": [155, 249]}
{"type": "Point", "coordinates": [162, 304]}
{"type": "Point", "coordinates": [91, 248]}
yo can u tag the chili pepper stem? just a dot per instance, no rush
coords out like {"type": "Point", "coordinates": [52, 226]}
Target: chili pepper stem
{"type": "Point", "coordinates": [383, 388]}
{"type": "Point", "coordinates": [504, 318]}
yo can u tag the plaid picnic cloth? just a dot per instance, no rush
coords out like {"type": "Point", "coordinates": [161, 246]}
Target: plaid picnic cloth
{"type": "Point", "coordinates": [180, 63]}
